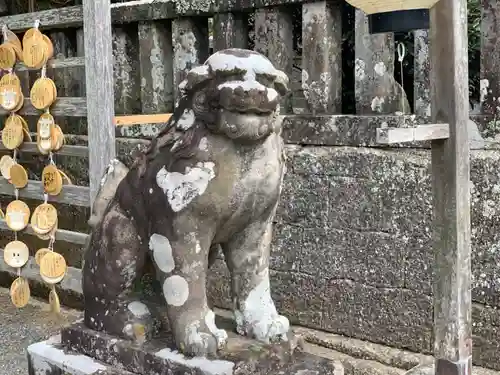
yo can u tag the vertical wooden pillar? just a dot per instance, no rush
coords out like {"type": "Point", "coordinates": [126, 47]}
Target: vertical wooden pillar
{"type": "Point", "coordinates": [322, 56]}
{"type": "Point", "coordinates": [127, 79]}
{"type": "Point", "coordinates": [100, 93]}
{"type": "Point", "coordinates": [451, 195]}
{"type": "Point", "coordinates": [490, 50]}
{"type": "Point", "coordinates": [155, 55]}
{"type": "Point", "coordinates": [422, 84]}
{"type": "Point", "coordinates": [191, 47]}
{"type": "Point", "coordinates": [274, 39]}
{"type": "Point", "coordinates": [230, 31]}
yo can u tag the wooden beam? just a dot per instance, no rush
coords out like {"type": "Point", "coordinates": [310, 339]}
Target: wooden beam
{"type": "Point", "coordinates": [32, 148]}
{"type": "Point", "coordinates": [451, 190]}
{"type": "Point", "coordinates": [134, 11]}
{"type": "Point", "coordinates": [61, 234]}
{"type": "Point", "coordinates": [73, 107]}
{"type": "Point", "coordinates": [100, 91]}
{"type": "Point", "coordinates": [129, 120]}
{"type": "Point", "coordinates": [70, 62]}
{"type": "Point", "coordinates": [429, 132]}
{"type": "Point", "coordinates": [71, 194]}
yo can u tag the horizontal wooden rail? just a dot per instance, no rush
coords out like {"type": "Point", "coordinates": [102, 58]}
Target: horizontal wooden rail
{"type": "Point", "coordinates": [70, 62]}
{"type": "Point", "coordinates": [72, 107]}
{"type": "Point", "coordinates": [71, 194]}
{"type": "Point", "coordinates": [129, 120]}
{"type": "Point", "coordinates": [413, 134]}
{"type": "Point", "coordinates": [61, 234]}
{"type": "Point", "coordinates": [31, 147]}
{"type": "Point", "coordinates": [72, 280]}
{"type": "Point", "coordinates": [140, 10]}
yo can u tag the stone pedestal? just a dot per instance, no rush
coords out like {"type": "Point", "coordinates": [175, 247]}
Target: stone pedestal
{"type": "Point", "coordinates": [81, 351]}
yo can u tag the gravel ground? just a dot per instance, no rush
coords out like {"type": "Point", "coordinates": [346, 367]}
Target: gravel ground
{"type": "Point", "coordinates": [22, 327]}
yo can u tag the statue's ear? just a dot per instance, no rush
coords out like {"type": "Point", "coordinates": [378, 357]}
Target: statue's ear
{"type": "Point", "coordinates": [194, 78]}
{"type": "Point", "coordinates": [281, 82]}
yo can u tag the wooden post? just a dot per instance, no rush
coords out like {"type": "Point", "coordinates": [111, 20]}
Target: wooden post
{"type": "Point", "coordinates": [450, 173]}
{"type": "Point", "coordinates": [99, 87]}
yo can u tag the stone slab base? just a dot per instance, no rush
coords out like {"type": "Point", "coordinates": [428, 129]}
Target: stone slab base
{"type": "Point", "coordinates": [49, 358]}
{"type": "Point", "coordinates": [242, 356]}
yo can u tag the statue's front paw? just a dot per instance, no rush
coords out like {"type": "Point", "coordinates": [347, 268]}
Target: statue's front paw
{"type": "Point", "coordinates": [201, 337]}
{"type": "Point", "coordinates": [266, 327]}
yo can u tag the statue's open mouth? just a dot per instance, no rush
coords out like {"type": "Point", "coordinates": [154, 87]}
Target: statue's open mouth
{"type": "Point", "coordinates": [247, 97]}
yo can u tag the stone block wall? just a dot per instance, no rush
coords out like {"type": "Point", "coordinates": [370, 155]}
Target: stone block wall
{"type": "Point", "coordinates": [352, 246]}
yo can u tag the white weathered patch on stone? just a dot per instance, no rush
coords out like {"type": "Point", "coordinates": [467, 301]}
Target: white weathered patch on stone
{"type": "Point", "coordinates": [258, 314]}
{"type": "Point", "coordinates": [180, 188]}
{"type": "Point", "coordinates": [219, 334]}
{"type": "Point", "coordinates": [176, 290]}
{"type": "Point", "coordinates": [359, 69]}
{"type": "Point", "coordinates": [210, 367]}
{"type": "Point", "coordinates": [109, 170]}
{"type": "Point", "coordinates": [253, 64]}
{"type": "Point", "coordinates": [484, 85]}
{"type": "Point", "coordinates": [162, 252]}
{"type": "Point", "coordinates": [203, 145]}
{"type": "Point", "coordinates": [139, 309]}
{"type": "Point", "coordinates": [186, 120]}
{"type": "Point", "coordinates": [197, 247]}
{"type": "Point", "coordinates": [45, 355]}
{"type": "Point", "coordinates": [380, 68]}
{"type": "Point", "coordinates": [377, 104]}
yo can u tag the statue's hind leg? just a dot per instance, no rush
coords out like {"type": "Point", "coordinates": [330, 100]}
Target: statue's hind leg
{"type": "Point", "coordinates": [114, 260]}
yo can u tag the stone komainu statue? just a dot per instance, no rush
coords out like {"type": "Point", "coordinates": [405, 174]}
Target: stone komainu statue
{"type": "Point", "coordinates": [211, 178]}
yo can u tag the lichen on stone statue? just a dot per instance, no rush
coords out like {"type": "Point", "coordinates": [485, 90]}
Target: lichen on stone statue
{"type": "Point", "coordinates": [211, 179]}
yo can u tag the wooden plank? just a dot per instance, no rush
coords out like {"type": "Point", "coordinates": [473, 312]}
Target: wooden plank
{"type": "Point", "coordinates": [490, 49]}
{"type": "Point", "coordinates": [61, 234]}
{"type": "Point", "coordinates": [141, 119]}
{"type": "Point", "coordinates": [322, 56]}
{"type": "Point", "coordinates": [71, 194]}
{"type": "Point", "coordinates": [429, 132]}
{"type": "Point", "coordinates": [156, 67]}
{"type": "Point", "coordinates": [31, 147]}
{"type": "Point", "coordinates": [135, 11]}
{"type": "Point", "coordinates": [72, 280]}
{"type": "Point", "coordinates": [230, 31]}
{"type": "Point", "coordinates": [451, 190]}
{"type": "Point", "coordinates": [53, 18]}
{"type": "Point", "coordinates": [188, 54]}
{"type": "Point", "coordinates": [73, 107]}
{"type": "Point", "coordinates": [70, 62]}
{"type": "Point", "coordinates": [274, 39]}
{"type": "Point", "coordinates": [100, 91]}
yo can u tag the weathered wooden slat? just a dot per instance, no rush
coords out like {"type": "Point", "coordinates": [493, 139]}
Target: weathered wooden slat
{"type": "Point", "coordinates": [100, 91]}
{"type": "Point", "coordinates": [74, 107]}
{"type": "Point", "coordinates": [135, 11]}
{"type": "Point", "coordinates": [230, 31]}
{"type": "Point", "coordinates": [71, 194]}
{"type": "Point", "coordinates": [274, 39]}
{"type": "Point", "coordinates": [53, 18]}
{"type": "Point", "coordinates": [31, 147]}
{"type": "Point", "coordinates": [156, 67]}
{"type": "Point", "coordinates": [70, 62]}
{"type": "Point", "coordinates": [388, 136]}
{"type": "Point", "coordinates": [187, 55]}
{"type": "Point", "coordinates": [72, 280]}
{"type": "Point", "coordinates": [490, 48]}
{"type": "Point", "coordinates": [451, 229]}
{"type": "Point", "coordinates": [421, 84]}
{"type": "Point", "coordinates": [322, 56]}
{"type": "Point", "coordinates": [61, 234]}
